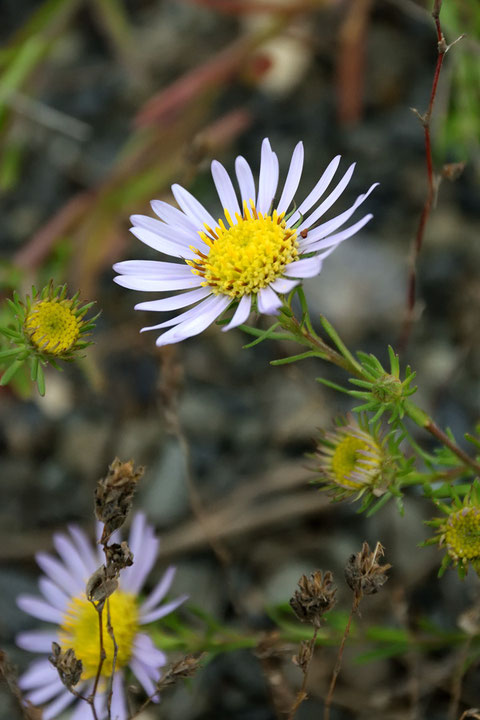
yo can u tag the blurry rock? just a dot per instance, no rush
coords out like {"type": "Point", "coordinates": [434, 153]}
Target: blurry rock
{"type": "Point", "coordinates": [82, 444]}
{"type": "Point", "coordinates": [163, 492]}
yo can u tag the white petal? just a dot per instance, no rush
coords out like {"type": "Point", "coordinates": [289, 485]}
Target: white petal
{"type": "Point", "coordinates": [321, 231]}
{"type": "Point", "coordinates": [139, 283]}
{"type": "Point", "coordinates": [119, 704]}
{"type": "Point", "coordinates": [174, 217]}
{"type": "Point", "coordinates": [175, 301]}
{"type": "Point", "coordinates": [334, 240]}
{"type": "Point", "coordinates": [36, 640]}
{"type": "Point", "coordinates": [58, 705]}
{"type": "Point", "coordinates": [133, 578]}
{"type": "Point", "coordinates": [309, 267]}
{"type": "Point", "coordinates": [46, 692]}
{"type": "Point", "coordinates": [293, 179]}
{"type": "Point", "coordinates": [71, 557]}
{"type": "Point", "coordinates": [39, 608]}
{"type": "Point", "coordinates": [245, 180]}
{"type": "Point", "coordinates": [167, 246]}
{"type": "Point", "coordinates": [197, 325]}
{"type": "Point", "coordinates": [282, 285]}
{"type": "Point", "coordinates": [241, 313]}
{"type": "Point", "coordinates": [191, 314]}
{"type": "Point", "coordinates": [268, 301]}
{"type": "Point", "coordinates": [84, 547]}
{"type": "Point", "coordinates": [317, 191]}
{"type": "Point", "coordinates": [61, 575]}
{"type": "Point", "coordinates": [329, 200]}
{"type": "Point", "coordinates": [145, 651]}
{"type": "Point", "coordinates": [167, 232]}
{"type": "Point", "coordinates": [162, 611]}
{"type": "Point", "coordinates": [268, 179]}
{"type": "Point", "coordinates": [225, 189]}
{"type": "Point", "coordinates": [144, 675]}
{"type": "Point", "coordinates": [191, 207]}
{"type": "Point", "coordinates": [160, 590]}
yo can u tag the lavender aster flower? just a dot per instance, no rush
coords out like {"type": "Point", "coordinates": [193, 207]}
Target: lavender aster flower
{"type": "Point", "coordinates": [65, 605]}
{"type": "Point", "coordinates": [260, 252]}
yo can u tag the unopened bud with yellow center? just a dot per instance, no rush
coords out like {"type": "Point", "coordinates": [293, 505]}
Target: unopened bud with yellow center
{"type": "Point", "coordinates": [52, 326]}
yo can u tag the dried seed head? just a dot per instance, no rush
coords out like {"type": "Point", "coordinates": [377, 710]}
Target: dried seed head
{"type": "Point", "coordinates": [184, 668]}
{"type": "Point", "coordinates": [118, 557]}
{"type": "Point", "coordinates": [363, 572]}
{"type": "Point", "coordinates": [114, 494]}
{"type": "Point", "coordinates": [68, 666]}
{"type": "Point", "coordinates": [100, 586]}
{"type": "Point", "coordinates": [304, 656]}
{"type": "Point", "coordinates": [315, 597]}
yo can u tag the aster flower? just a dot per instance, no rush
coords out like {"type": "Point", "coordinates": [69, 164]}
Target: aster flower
{"type": "Point", "coordinates": [459, 532]}
{"type": "Point", "coordinates": [64, 604]}
{"type": "Point", "coordinates": [353, 459]}
{"type": "Point", "coordinates": [259, 251]}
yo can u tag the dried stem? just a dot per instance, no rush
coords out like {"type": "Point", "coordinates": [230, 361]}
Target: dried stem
{"type": "Point", "coordinates": [434, 430]}
{"type": "Point", "coordinates": [114, 661]}
{"type": "Point", "coordinates": [302, 694]}
{"type": "Point", "coordinates": [338, 662]}
{"type": "Point", "coordinates": [102, 656]}
{"type": "Point", "coordinates": [431, 189]}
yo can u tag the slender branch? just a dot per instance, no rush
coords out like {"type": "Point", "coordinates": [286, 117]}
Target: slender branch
{"type": "Point", "coordinates": [434, 430]}
{"type": "Point", "coordinates": [114, 661]}
{"type": "Point", "coordinates": [102, 656]}
{"type": "Point", "coordinates": [302, 694]}
{"type": "Point", "coordinates": [338, 663]}
{"type": "Point", "coordinates": [418, 240]}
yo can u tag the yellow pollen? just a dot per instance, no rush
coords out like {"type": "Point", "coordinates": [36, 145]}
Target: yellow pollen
{"type": "Point", "coordinates": [52, 326]}
{"type": "Point", "coordinates": [80, 631]}
{"type": "Point", "coordinates": [462, 534]}
{"type": "Point", "coordinates": [246, 256]}
{"type": "Point", "coordinates": [348, 457]}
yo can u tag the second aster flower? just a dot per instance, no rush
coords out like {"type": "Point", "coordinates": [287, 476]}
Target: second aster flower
{"type": "Point", "coordinates": [247, 260]}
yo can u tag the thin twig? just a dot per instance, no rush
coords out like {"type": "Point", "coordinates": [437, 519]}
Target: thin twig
{"type": "Point", "coordinates": [434, 430]}
{"type": "Point", "coordinates": [338, 662]}
{"type": "Point", "coordinates": [114, 661]}
{"type": "Point", "coordinates": [101, 660]}
{"type": "Point", "coordinates": [302, 694]}
{"type": "Point", "coordinates": [432, 184]}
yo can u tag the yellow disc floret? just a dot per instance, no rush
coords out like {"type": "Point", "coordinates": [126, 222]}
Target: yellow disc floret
{"type": "Point", "coordinates": [347, 458]}
{"type": "Point", "coordinates": [80, 631]}
{"type": "Point", "coordinates": [248, 255]}
{"type": "Point", "coordinates": [462, 534]}
{"type": "Point", "coordinates": [52, 326]}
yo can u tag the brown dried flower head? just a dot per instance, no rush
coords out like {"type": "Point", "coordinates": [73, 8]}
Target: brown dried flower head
{"type": "Point", "coordinates": [114, 495]}
{"type": "Point", "coordinates": [118, 556]}
{"type": "Point", "coordinates": [184, 668]}
{"type": "Point", "coordinates": [68, 666]}
{"type": "Point", "coordinates": [315, 597]}
{"type": "Point", "coordinates": [304, 655]}
{"type": "Point", "coordinates": [101, 585]}
{"type": "Point", "coordinates": [363, 572]}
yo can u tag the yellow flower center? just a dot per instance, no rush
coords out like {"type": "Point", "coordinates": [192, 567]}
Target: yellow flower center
{"type": "Point", "coordinates": [346, 458]}
{"type": "Point", "coordinates": [462, 534]}
{"type": "Point", "coordinates": [248, 255]}
{"type": "Point", "coordinates": [80, 631]}
{"type": "Point", "coordinates": [52, 326]}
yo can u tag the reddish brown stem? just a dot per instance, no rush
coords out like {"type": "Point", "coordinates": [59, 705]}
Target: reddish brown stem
{"type": "Point", "coordinates": [338, 663]}
{"type": "Point", "coordinates": [434, 430]}
{"type": "Point", "coordinates": [302, 693]}
{"type": "Point", "coordinates": [418, 240]}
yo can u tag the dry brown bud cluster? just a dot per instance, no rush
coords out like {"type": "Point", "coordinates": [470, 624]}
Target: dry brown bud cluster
{"type": "Point", "coordinates": [114, 495]}
{"type": "Point", "coordinates": [68, 666]}
{"type": "Point", "coordinates": [363, 572]}
{"type": "Point", "coordinates": [184, 668]}
{"type": "Point", "coordinates": [315, 597]}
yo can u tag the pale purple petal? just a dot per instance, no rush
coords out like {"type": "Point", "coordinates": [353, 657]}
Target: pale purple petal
{"type": "Point", "coordinates": [268, 301]}
{"type": "Point", "coordinates": [46, 692]}
{"type": "Point", "coordinates": [144, 674]}
{"type": "Point", "coordinates": [194, 327]}
{"type": "Point", "coordinates": [175, 301]}
{"type": "Point", "coordinates": [282, 285]}
{"type": "Point", "coordinates": [309, 267]}
{"type": "Point", "coordinates": [133, 578]}
{"type": "Point", "coordinates": [71, 557]}
{"type": "Point", "coordinates": [82, 711]}
{"type": "Point", "coordinates": [59, 574]}
{"type": "Point", "coordinates": [192, 208]}
{"type": "Point", "coordinates": [36, 640]}
{"type": "Point", "coordinates": [341, 236]}
{"type": "Point", "coordinates": [58, 705]}
{"type": "Point", "coordinates": [316, 193]}
{"type": "Point", "coordinates": [328, 202]}
{"type": "Point", "coordinates": [225, 189]}
{"type": "Point", "coordinates": [162, 611]}
{"type": "Point", "coordinates": [84, 547]}
{"type": "Point", "coordinates": [39, 609]}
{"type": "Point", "coordinates": [139, 283]}
{"type": "Point", "coordinates": [174, 217]}
{"type": "Point", "coordinates": [191, 314]}
{"type": "Point", "coordinates": [167, 246]}
{"type": "Point", "coordinates": [245, 180]}
{"type": "Point", "coordinates": [119, 704]}
{"type": "Point", "coordinates": [268, 179]}
{"type": "Point", "coordinates": [293, 179]}
{"type": "Point", "coordinates": [241, 313]}
{"type": "Point", "coordinates": [145, 651]}
{"type": "Point", "coordinates": [52, 593]}
{"type": "Point", "coordinates": [321, 231]}
{"type": "Point", "coordinates": [152, 269]}
{"type": "Point", "coordinates": [39, 672]}
{"type": "Point", "coordinates": [160, 590]}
